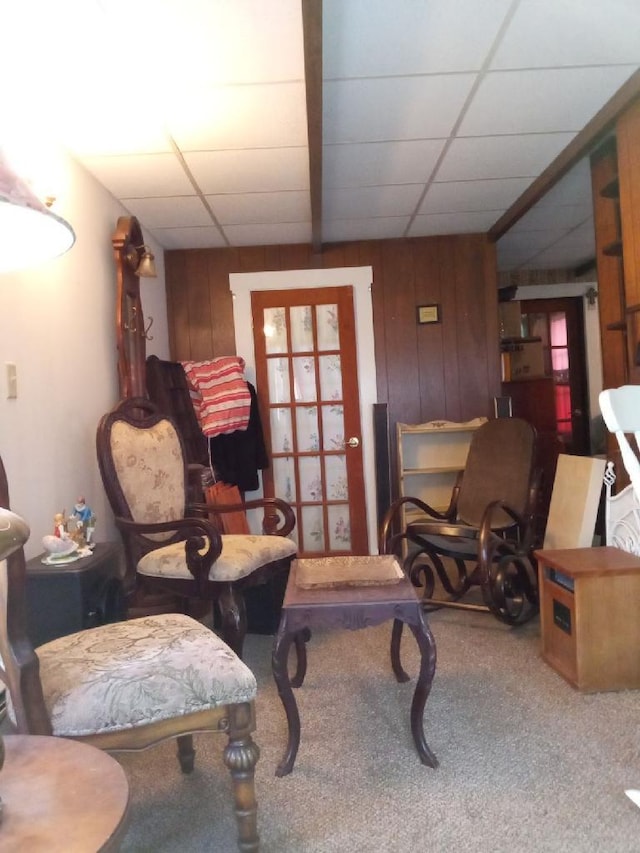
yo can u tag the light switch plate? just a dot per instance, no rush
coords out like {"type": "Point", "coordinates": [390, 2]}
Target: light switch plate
{"type": "Point", "coordinates": [12, 381]}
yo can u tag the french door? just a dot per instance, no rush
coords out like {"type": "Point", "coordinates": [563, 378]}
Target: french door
{"type": "Point", "coordinates": [560, 325]}
{"type": "Point", "coordinates": [307, 381]}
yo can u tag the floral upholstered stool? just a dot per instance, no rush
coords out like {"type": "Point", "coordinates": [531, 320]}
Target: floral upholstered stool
{"type": "Point", "coordinates": [353, 593]}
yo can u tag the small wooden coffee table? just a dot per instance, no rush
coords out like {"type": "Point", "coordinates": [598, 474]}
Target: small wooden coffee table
{"type": "Point", "coordinates": [59, 795]}
{"type": "Point", "coordinates": [352, 607]}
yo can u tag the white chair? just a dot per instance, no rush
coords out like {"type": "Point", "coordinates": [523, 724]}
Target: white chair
{"type": "Point", "coordinates": [620, 409]}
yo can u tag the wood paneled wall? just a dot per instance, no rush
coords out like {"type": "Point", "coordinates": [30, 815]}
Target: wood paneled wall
{"type": "Point", "coordinates": [449, 370]}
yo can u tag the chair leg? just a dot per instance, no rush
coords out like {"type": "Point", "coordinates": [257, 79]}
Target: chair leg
{"type": "Point", "coordinates": [233, 618]}
{"type": "Point", "coordinates": [240, 756]}
{"type": "Point", "coordinates": [186, 753]}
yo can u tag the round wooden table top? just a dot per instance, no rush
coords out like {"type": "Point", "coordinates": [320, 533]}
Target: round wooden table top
{"type": "Point", "coordinates": [60, 795]}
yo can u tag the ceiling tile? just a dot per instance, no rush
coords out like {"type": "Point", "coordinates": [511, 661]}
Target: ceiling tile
{"type": "Point", "coordinates": [201, 41]}
{"type": "Point", "coordinates": [189, 238]}
{"type": "Point", "coordinates": [545, 216]}
{"type": "Point", "coordinates": [393, 107]}
{"type": "Point", "coordinates": [394, 200]}
{"type": "Point", "coordinates": [574, 188]}
{"type": "Point", "coordinates": [359, 165]}
{"type": "Point", "coordinates": [531, 241]}
{"type": "Point", "coordinates": [255, 170]}
{"type": "Point", "coordinates": [474, 158]}
{"type": "Point", "coordinates": [269, 235]}
{"type": "Point", "coordinates": [556, 32]}
{"type": "Point", "coordinates": [253, 208]}
{"type": "Point", "coordinates": [169, 212]}
{"type": "Point", "coordinates": [93, 132]}
{"type": "Point", "coordinates": [382, 228]}
{"type": "Point", "coordinates": [139, 175]}
{"type": "Point", "coordinates": [558, 257]}
{"type": "Point", "coordinates": [263, 116]}
{"type": "Point", "coordinates": [457, 196]}
{"type": "Point", "coordinates": [543, 101]}
{"type": "Point", "coordinates": [453, 223]}
{"type": "Point", "coordinates": [364, 38]}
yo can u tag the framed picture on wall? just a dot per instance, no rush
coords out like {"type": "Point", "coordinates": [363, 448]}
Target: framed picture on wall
{"type": "Point", "coordinates": [428, 314]}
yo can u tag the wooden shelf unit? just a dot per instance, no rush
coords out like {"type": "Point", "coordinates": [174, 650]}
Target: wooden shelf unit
{"type": "Point", "coordinates": [589, 603]}
{"type": "Point", "coordinates": [430, 455]}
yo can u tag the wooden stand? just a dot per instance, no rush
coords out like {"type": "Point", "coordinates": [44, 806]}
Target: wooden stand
{"type": "Point", "coordinates": [68, 598]}
{"type": "Point", "coordinates": [589, 605]}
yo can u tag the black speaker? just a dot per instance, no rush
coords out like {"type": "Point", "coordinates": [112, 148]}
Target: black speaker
{"type": "Point", "coordinates": [82, 594]}
{"type": "Point", "coordinates": [383, 459]}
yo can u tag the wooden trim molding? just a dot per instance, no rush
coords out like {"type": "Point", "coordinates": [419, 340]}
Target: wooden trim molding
{"type": "Point", "coordinates": [312, 28]}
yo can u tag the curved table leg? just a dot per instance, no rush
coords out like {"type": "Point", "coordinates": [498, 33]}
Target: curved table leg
{"type": "Point", "coordinates": [300, 642]}
{"type": "Point", "coordinates": [279, 660]}
{"type": "Point", "coordinates": [396, 636]}
{"type": "Point", "coordinates": [427, 646]}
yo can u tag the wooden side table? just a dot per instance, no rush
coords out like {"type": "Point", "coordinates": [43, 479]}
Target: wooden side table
{"type": "Point", "coordinates": [68, 598]}
{"type": "Point", "coordinates": [60, 796]}
{"type": "Point", "coordinates": [590, 616]}
{"type": "Point", "coordinates": [352, 608]}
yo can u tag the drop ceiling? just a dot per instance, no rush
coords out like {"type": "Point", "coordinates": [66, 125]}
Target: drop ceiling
{"type": "Point", "coordinates": [436, 116]}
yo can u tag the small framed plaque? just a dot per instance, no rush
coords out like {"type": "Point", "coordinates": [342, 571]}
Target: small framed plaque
{"type": "Point", "coordinates": [428, 314]}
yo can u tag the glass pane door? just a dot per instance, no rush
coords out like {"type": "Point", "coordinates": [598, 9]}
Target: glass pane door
{"type": "Point", "coordinates": [299, 343]}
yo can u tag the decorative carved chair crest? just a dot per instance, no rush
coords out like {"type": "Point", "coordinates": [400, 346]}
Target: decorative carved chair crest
{"type": "Point", "coordinates": [622, 515]}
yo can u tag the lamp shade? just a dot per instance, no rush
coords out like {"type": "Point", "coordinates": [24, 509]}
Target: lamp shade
{"type": "Point", "coordinates": [29, 232]}
{"type": "Point", "coordinates": [14, 532]}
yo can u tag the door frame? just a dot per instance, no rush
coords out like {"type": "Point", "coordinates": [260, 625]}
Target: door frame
{"type": "Point", "coordinates": [361, 280]}
{"type": "Point", "coordinates": [593, 351]}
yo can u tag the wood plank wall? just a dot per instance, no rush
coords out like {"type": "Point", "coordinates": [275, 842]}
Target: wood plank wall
{"type": "Point", "coordinates": [447, 371]}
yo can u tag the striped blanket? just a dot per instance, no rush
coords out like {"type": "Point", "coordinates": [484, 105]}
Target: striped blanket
{"type": "Point", "coordinates": [219, 393]}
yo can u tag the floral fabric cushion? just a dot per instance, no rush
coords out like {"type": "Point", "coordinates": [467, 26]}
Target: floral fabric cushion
{"type": "Point", "coordinates": [133, 673]}
{"type": "Point", "coordinates": [150, 469]}
{"type": "Point", "coordinates": [240, 556]}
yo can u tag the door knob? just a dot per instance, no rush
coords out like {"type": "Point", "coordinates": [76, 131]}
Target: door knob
{"type": "Point", "coordinates": [353, 441]}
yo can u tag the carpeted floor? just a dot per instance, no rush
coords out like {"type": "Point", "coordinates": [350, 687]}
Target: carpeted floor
{"type": "Point", "coordinates": [526, 762]}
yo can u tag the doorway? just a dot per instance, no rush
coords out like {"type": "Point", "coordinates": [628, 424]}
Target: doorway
{"type": "Point", "coordinates": [559, 323]}
{"type": "Point", "coordinates": [360, 279]}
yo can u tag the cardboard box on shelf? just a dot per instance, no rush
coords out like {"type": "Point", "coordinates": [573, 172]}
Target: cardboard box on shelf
{"type": "Point", "coordinates": [522, 360]}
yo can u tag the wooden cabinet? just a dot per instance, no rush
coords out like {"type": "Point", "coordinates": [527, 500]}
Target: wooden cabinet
{"type": "Point", "coordinates": [615, 179]}
{"type": "Point", "coordinates": [628, 144]}
{"type": "Point", "coordinates": [430, 455]}
{"type": "Point", "coordinates": [589, 604]}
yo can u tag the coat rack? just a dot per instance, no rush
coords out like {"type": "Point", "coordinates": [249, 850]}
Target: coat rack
{"type": "Point", "coordinates": [132, 260]}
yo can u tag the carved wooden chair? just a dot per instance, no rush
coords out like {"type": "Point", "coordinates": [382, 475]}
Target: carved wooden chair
{"type": "Point", "coordinates": [169, 543]}
{"type": "Point", "coordinates": [130, 685]}
{"type": "Point", "coordinates": [490, 516]}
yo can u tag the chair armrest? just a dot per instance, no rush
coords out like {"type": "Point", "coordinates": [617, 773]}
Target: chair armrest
{"type": "Point", "coordinates": [389, 522]}
{"type": "Point", "coordinates": [492, 539]}
{"type": "Point", "coordinates": [278, 520]}
{"type": "Point", "coordinates": [195, 532]}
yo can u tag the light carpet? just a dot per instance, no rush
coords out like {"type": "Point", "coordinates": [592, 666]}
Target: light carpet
{"type": "Point", "coordinates": [526, 762]}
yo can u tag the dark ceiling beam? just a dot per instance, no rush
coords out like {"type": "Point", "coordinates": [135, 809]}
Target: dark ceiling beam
{"type": "Point", "coordinates": [312, 28]}
{"type": "Point", "coordinates": [589, 137]}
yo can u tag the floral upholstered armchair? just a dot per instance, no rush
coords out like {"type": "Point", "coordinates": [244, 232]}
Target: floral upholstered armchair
{"type": "Point", "coordinates": [173, 545]}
